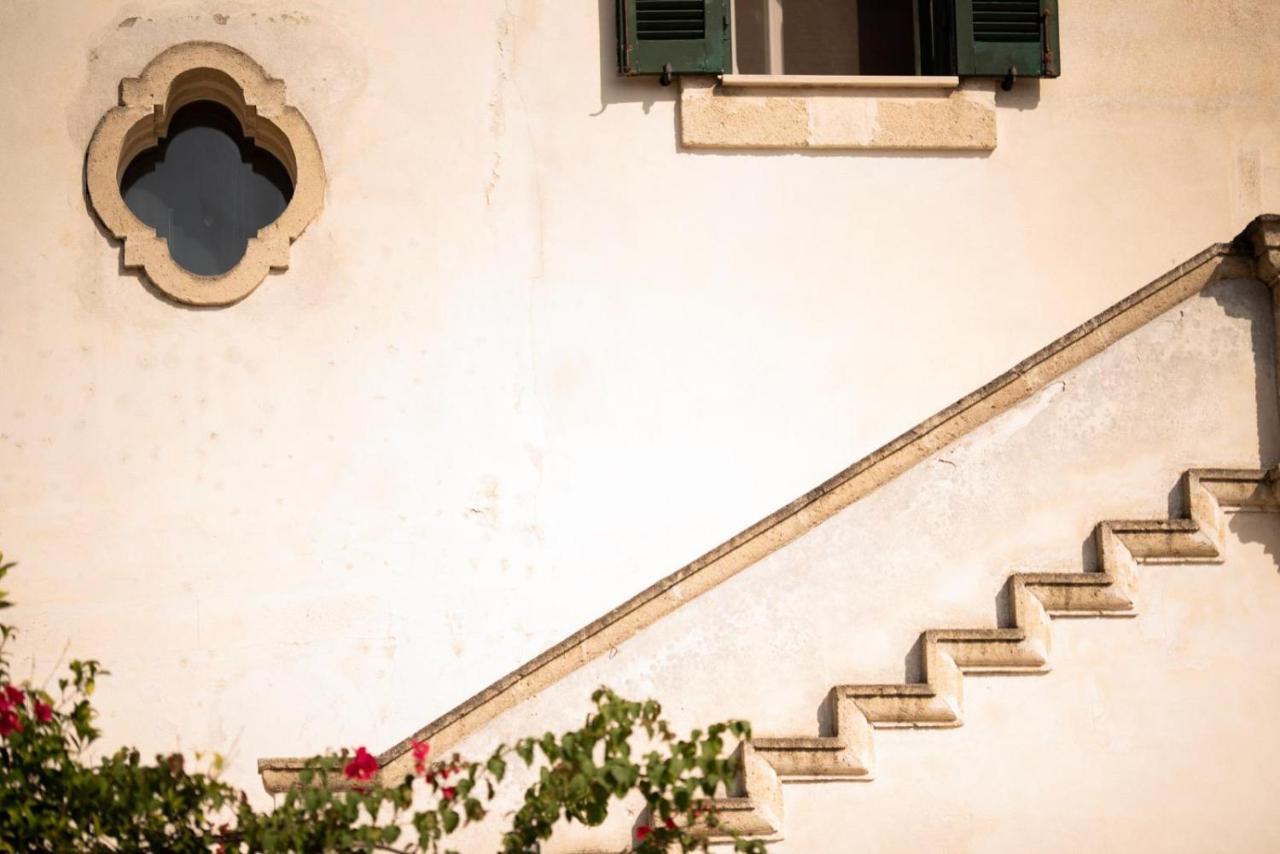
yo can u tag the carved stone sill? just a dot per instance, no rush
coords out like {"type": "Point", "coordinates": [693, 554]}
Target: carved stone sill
{"type": "Point", "coordinates": [836, 81]}
{"type": "Point", "coordinates": [850, 113]}
{"type": "Point", "coordinates": [203, 71]}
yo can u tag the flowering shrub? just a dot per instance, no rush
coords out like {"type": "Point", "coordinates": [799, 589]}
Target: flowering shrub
{"type": "Point", "coordinates": [52, 799]}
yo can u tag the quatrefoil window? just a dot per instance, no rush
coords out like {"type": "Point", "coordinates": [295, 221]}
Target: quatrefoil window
{"type": "Point", "coordinates": [206, 189]}
{"type": "Point", "coordinates": [204, 173]}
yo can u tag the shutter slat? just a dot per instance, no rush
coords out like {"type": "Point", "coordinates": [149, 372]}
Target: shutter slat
{"type": "Point", "coordinates": [670, 20]}
{"type": "Point", "coordinates": [1006, 20]}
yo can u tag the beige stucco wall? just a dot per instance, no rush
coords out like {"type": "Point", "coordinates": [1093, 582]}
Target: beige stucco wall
{"type": "Point", "coordinates": [532, 356]}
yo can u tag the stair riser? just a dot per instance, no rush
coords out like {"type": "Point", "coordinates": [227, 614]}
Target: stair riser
{"type": "Point", "coordinates": [1063, 600]}
{"type": "Point", "coordinates": [971, 656]}
{"type": "Point", "coordinates": [1172, 547]}
{"type": "Point", "coordinates": [909, 711]}
{"type": "Point", "coordinates": [804, 764]}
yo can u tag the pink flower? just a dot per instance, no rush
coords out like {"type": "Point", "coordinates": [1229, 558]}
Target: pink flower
{"type": "Point", "coordinates": [44, 712]}
{"type": "Point", "coordinates": [448, 793]}
{"type": "Point", "coordinates": [420, 751]}
{"type": "Point", "coordinates": [362, 766]}
{"type": "Point", "coordinates": [15, 696]}
{"type": "Point", "coordinates": [9, 723]}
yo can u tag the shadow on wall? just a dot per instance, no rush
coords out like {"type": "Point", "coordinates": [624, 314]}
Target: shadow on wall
{"type": "Point", "coordinates": [1238, 302]}
{"type": "Point", "coordinates": [1025, 95]}
{"type": "Point", "coordinates": [1258, 528]}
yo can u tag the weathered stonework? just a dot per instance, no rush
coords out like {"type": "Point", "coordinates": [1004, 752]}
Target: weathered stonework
{"type": "Point", "coordinates": [185, 73]}
{"type": "Point", "coordinates": [742, 113]}
{"type": "Point", "coordinates": [1264, 238]}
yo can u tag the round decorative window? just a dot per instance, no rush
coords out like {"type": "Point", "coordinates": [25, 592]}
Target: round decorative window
{"type": "Point", "coordinates": [206, 189]}
{"type": "Point", "coordinates": [204, 173]}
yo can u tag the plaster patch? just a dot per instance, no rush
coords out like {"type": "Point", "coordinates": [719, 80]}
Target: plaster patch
{"type": "Point", "coordinates": [1002, 427]}
{"type": "Point", "coordinates": [844, 122]}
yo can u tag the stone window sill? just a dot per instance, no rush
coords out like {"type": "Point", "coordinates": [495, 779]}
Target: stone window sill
{"type": "Point", "coordinates": [833, 81]}
{"type": "Point", "coordinates": [744, 111]}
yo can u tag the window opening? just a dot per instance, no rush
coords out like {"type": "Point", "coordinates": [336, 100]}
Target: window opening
{"type": "Point", "coordinates": [206, 189]}
{"type": "Point", "coordinates": [844, 37]}
{"type": "Point", "coordinates": [1004, 39]}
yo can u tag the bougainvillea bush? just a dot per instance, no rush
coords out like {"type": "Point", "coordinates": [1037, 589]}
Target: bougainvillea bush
{"type": "Point", "coordinates": [54, 798]}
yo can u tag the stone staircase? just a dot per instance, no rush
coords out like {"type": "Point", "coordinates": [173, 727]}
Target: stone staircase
{"type": "Point", "coordinates": [847, 751]}
{"type": "Point", "coordinates": [843, 749]}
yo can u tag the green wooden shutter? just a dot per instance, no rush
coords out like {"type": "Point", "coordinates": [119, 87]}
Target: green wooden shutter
{"type": "Point", "coordinates": [995, 38]}
{"type": "Point", "coordinates": [690, 36]}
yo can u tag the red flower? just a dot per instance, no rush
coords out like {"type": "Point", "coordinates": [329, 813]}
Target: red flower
{"type": "Point", "coordinates": [643, 832]}
{"type": "Point", "coordinates": [448, 793]}
{"type": "Point", "coordinates": [362, 766]}
{"type": "Point", "coordinates": [420, 751]}
{"type": "Point", "coordinates": [14, 695]}
{"type": "Point", "coordinates": [9, 723]}
{"type": "Point", "coordinates": [44, 712]}
{"type": "Point", "coordinates": [671, 824]}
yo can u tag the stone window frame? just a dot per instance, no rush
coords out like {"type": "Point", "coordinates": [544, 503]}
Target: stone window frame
{"type": "Point", "coordinates": [180, 75]}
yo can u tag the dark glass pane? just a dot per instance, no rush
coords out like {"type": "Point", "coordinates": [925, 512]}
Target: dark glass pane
{"type": "Point", "coordinates": [206, 189]}
{"type": "Point", "coordinates": [886, 37]}
{"type": "Point", "coordinates": [819, 37]}
{"type": "Point", "coordinates": [751, 28]}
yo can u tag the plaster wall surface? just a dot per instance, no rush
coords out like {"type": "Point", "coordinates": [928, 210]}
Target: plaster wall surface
{"type": "Point", "coordinates": [532, 356]}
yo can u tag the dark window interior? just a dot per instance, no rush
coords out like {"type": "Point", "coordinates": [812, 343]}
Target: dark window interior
{"type": "Point", "coordinates": [886, 37]}
{"type": "Point", "coordinates": [206, 189]}
{"type": "Point", "coordinates": [751, 36]}
{"type": "Point", "coordinates": [818, 36]}
{"type": "Point", "coordinates": [870, 37]}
